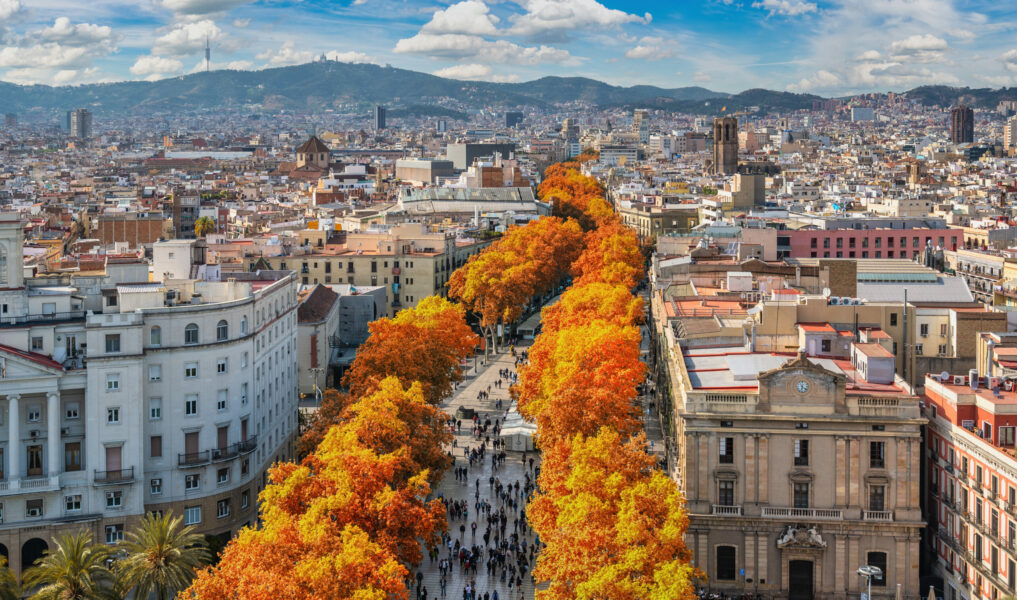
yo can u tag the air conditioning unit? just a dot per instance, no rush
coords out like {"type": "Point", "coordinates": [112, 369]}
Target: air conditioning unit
{"type": "Point", "coordinates": [33, 512]}
{"type": "Point", "coordinates": [994, 383]}
{"type": "Point", "coordinates": [856, 301]}
{"type": "Point", "coordinates": [65, 431]}
{"type": "Point", "coordinates": [834, 300]}
{"type": "Point", "coordinates": [960, 380]}
{"type": "Point", "coordinates": [34, 433]}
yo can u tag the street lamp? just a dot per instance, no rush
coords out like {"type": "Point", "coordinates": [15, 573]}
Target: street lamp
{"type": "Point", "coordinates": [315, 372]}
{"type": "Point", "coordinates": [868, 572]}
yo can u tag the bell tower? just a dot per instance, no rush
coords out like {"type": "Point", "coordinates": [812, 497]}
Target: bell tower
{"type": "Point", "coordinates": [725, 145]}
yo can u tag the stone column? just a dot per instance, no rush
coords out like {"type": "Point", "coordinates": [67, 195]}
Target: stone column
{"type": "Point", "coordinates": [53, 433]}
{"type": "Point", "coordinates": [841, 477]}
{"type": "Point", "coordinates": [14, 437]}
{"type": "Point", "coordinates": [854, 472]}
{"type": "Point", "coordinates": [764, 469]}
{"type": "Point", "coordinates": [751, 487]}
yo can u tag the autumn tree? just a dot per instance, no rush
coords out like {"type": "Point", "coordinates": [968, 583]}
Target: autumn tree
{"type": "Point", "coordinates": [426, 344]}
{"type": "Point", "coordinates": [613, 526]}
{"type": "Point", "coordinates": [611, 256]}
{"type": "Point", "coordinates": [593, 302]}
{"type": "Point", "coordinates": [582, 378]}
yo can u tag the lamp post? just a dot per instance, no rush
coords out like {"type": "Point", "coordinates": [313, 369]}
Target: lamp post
{"type": "Point", "coordinates": [315, 372]}
{"type": "Point", "coordinates": [868, 572]}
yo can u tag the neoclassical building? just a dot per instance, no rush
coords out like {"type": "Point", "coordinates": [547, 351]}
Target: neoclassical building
{"type": "Point", "coordinates": [120, 395]}
{"type": "Point", "coordinates": [797, 470]}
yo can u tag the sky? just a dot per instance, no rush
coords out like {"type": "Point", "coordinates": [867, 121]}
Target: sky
{"type": "Point", "coordinates": [829, 48]}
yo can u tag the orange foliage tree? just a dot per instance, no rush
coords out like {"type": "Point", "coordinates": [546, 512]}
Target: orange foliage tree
{"type": "Point", "coordinates": [427, 344]}
{"type": "Point", "coordinates": [612, 255]}
{"type": "Point", "coordinates": [593, 302]}
{"type": "Point", "coordinates": [612, 525]}
{"type": "Point", "coordinates": [580, 379]}
{"type": "Point", "coordinates": [344, 521]}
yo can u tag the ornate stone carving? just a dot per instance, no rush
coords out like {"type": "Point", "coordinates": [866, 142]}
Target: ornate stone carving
{"type": "Point", "coordinates": [795, 536]}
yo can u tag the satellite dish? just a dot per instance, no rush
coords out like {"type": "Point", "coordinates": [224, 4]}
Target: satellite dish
{"type": "Point", "coordinates": [944, 376]}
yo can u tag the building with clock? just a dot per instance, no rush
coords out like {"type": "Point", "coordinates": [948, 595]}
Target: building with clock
{"type": "Point", "coordinates": [797, 469]}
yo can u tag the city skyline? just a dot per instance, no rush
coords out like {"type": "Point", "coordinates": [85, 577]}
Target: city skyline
{"type": "Point", "coordinates": [827, 48]}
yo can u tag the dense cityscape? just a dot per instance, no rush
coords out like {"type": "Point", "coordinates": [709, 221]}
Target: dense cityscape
{"type": "Point", "coordinates": [330, 328]}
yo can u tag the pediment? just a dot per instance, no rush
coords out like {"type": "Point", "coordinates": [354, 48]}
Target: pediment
{"type": "Point", "coordinates": [16, 366]}
{"type": "Point", "coordinates": [801, 363]}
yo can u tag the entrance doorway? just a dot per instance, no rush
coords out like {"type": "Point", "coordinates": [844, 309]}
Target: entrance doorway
{"type": "Point", "coordinates": [32, 551]}
{"type": "Point", "coordinates": [799, 580]}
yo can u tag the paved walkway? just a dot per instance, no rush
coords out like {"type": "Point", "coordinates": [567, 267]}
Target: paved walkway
{"type": "Point", "coordinates": [509, 472]}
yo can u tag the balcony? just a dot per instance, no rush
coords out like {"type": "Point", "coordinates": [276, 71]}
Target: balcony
{"type": "Point", "coordinates": [53, 317]}
{"type": "Point", "coordinates": [234, 450]}
{"type": "Point", "coordinates": [877, 515]}
{"type": "Point", "coordinates": [117, 476]}
{"type": "Point", "coordinates": [826, 514]}
{"type": "Point", "coordinates": [193, 459]}
{"type": "Point", "coordinates": [727, 511]}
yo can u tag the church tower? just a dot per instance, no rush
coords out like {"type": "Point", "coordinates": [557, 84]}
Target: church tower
{"type": "Point", "coordinates": [315, 153]}
{"type": "Point", "coordinates": [725, 145]}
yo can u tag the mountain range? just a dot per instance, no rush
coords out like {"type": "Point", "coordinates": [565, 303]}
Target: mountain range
{"type": "Point", "coordinates": [323, 85]}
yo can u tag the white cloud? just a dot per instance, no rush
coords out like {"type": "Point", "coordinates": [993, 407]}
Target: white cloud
{"type": "Point", "coordinates": [544, 16]}
{"type": "Point", "coordinates": [233, 65]}
{"type": "Point", "coordinates": [47, 56]}
{"type": "Point", "coordinates": [8, 8]}
{"type": "Point", "coordinates": [470, 17]}
{"type": "Point", "coordinates": [702, 77]}
{"type": "Point", "coordinates": [919, 48]}
{"type": "Point", "coordinates": [68, 34]}
{"type": "Point", "coordinates": [652, 48]}
{"type": "Point", "coordinates": [199, 7]}
{"type": "Point", "coordinates": [1009, 60]}
{"type": "Point", "coordinates": [156, 67]}
{"type": "Point", "coordinates": [34, 75]}
{"type": "Point", "coordinates": [475, 72]}
{"type": "Point", "coordinates": [478, 49]}
{"type": "Point", "coordinates": [823, 79]}
{"type": "Point", "coordinates": [788, 8]}
{"type": "Point", "coordinates": [186, 38]}
{"type": "Point", "coordinates": [869, 55]}
{"type": "Point", "coordinates": [241, 23]}
{"type": "Point", "coordinates": [287, 54]}
{"type": "Point", "coordinates": [352, 56]}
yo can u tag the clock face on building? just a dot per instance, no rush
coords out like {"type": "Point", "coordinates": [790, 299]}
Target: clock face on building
{"type": "Point", "coordinates": [802, 387]}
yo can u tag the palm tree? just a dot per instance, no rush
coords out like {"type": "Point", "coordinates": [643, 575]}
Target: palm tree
{"type": "Point", "coordinates": [162, 557]}
{"type": "Point", "coordinates": [9, 587]}
{"type": "Point", "coordinates": [204, 226]}
{"type": "Point", "coordinates": [75, 570]}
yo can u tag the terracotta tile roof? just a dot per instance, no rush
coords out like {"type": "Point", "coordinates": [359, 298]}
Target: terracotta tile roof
{"type": "Point", "coordinates": [35, 357]}
{"type": "Point", "coordinates": [315, 306]}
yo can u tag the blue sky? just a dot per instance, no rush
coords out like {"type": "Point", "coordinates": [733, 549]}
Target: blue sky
{"type": "Point", "coordinates": [824, 47]}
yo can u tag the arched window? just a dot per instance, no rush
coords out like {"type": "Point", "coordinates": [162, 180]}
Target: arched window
{"type": "Point", "coordinates": [155, 336]}
{"type": "Point", "coordinates": [243, 326]}
{"type": "Point", "coordinates": [222, 331]}
{"type": "Point", "coordinates": [191, 334]}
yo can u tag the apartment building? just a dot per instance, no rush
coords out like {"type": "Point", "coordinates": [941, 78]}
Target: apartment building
{"type": "Point", "coordinates": [972, 483]}
{"type": "Point", "coordinates": [123, 396]}
{"type": "Point", "coordinates": [409, 260]}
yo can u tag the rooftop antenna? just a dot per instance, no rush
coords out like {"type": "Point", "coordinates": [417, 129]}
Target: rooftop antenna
{"type": "Point", "coordinates": [208, 55]}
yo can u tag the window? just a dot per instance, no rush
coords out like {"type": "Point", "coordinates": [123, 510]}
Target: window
{"type": "Point", "coordinates": [222, 476]}
{"type": "Point", "coordinates": [34, 414]}
{"type": "Point", "coordinates": [923, 329]}
{"type": "Point", "coordinates": [72, 456]}
{"type": "Point", "coordinates": [33, 508]}
{"type": "Point", "coordinates": [156, 446]}
{"type": "Point", "coordinates": [114, 499]}
{"type": "Point", "coordinates": [243, 326]}
{"type": "Point", "coordinates": [155, 409]}
{"type": "Point", "coordinates": [877, 559]}
{"type": "Point", "coordinates": [191, 405]}
{"type": "Point", "coordinates": [826, 346]}
{"type": "Point", "coordinates": [114, 534]}
{"type": "Point", "coordinates": [191, 334]}
{"type": "Point", "coordinates": [72, 503]}
{"type": "Point", "coordinates": [221, 366]}
{"type": "Point", "coordinates": [192, 482]}
{"type": "Point", "coordinates": [877, 458]}
{"type": "Point", "coordinates": [943, 329]}
{"type": "Point", "coordinates": [877, 497]}
{"type": "Point", "coordinates": [155, 372]}
{"type": "Point", "coordinates": [112, 343]}
{"type": "Point", "coordinates": [220, 402]}
{"type": "Point", "coordinates": [245, 499]}
{"type": "Point", "coordinates": [726, 567]}
{"type": "Point", "coordinates": [191, 370]}
{"type": "Point", "coordinates": [919, 349]}
{"type": "Point", "coordinates": [725, 493]}
{"type": "Point", "coordinates": [941, 350]}
{"type": "Point", "coordinates": [245, 466]}
{"type": "Point", "coordinates": [243, 360]}
{"type": "Point", "coordinates": [113, 382]}
{"type": "Point", "coordinates": [243, 394]}
{"type": "Point", "coordinates": [192, 515]}
{"type": "Point", "coordinates": [113, 415]}
{"type": "Point", "coordinates": [801, 453]}
{"type": "Point", "coordinates": [37, 344]}
{"type": "Point", "coordinates": [71, 411]}
{"type": "Point", "coordinates": [222, 331]}
{"type": "Point", "coordinates": [801, 495]}
{"type": "Point", "coordinates": [893, 319]}
{"type": "Point", "coordinates": [1006, 436]}
{"type": "Point", "coordinates": [222, 508]}
{"type": "Point", "coordinates": [155, 336]}
{"type": "Point", "coordinates": [156, 486]}
{"type": "Point", "coordinates": [727, 450]}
